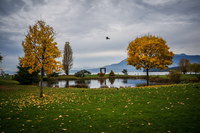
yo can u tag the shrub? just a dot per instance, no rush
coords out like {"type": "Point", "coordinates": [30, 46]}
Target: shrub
{"type": "Point", "coordinates": [82, 73]}
{"type": "Point", "coordinates": [125, 71]}
{"type": "Point", "coordinates": [54, 74]}
{"type": "Point", "coordinates": [111, 73]}
{"type": "Point", "coordinates": [86, 72]}
{"type": "Point", "coordinates": [198, 76]}
{"type": "Point", "coordinates": [175, 76]}
{"type": "Point", "coordinates": [101, 74]}
{"type": "Point", "coordinates": [79, 74]}
{"type": "Point", "coordinates": [25, 78]}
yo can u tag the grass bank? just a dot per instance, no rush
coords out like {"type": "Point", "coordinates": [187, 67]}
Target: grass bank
{"type": "Point", "coordinates": [169, 108]}
{"type": "Point", "coordinates": [93, 77]}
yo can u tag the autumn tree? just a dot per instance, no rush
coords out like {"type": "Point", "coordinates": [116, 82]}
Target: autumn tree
{"type": "Point", "coordinates": [184, 65]}
{"type": "Point", "coordinates": [195, 67]}
{"type": "Point", "coordinates": [149, 52]}
{"type": "Point", "coordinates": [40, 50]}
{"type": "Point", "coordinates": [67, 58]}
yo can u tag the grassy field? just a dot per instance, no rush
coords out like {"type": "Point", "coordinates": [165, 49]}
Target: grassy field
{"type": "Point", "coordinates": [170, 108]}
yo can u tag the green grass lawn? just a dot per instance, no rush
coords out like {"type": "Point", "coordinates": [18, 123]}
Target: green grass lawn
{"type": "Point", "coordinates": [170, 108]}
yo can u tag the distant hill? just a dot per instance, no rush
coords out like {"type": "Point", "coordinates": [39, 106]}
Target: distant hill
{"type": "Point", "coordinates": [191, 58]}
{"type": "Point", "coordinates": [118, 67]}
{"type": "Point", "coordinates": [176, 60]}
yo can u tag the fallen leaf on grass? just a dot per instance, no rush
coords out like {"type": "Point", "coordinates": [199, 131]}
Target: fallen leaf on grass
{"type": "Point", "coordinates": [64, 129]}
{"type": "Point", "coordinates": [98, 109]}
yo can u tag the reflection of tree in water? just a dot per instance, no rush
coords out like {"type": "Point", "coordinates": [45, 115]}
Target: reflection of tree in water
{"type": "Point", "coordinates": [82, 81]}
{"type": "Point", "coordinates": [50, 83]}
{"type": "Point", "coordinates": [102, 81]}
{"type": "Point", "coordinates": [67, 84]}
{"type": "Point", "coordinates": [111, 80]}
{"type": "Point", "coordinates": [125, 81]}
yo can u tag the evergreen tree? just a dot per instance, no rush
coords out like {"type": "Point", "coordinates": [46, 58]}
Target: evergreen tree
{"type": "Point", "coordinates": [25, 78]}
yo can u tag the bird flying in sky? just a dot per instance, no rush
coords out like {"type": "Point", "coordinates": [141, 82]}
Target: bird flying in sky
{"type": "Point", "coordinates": [107, 38]}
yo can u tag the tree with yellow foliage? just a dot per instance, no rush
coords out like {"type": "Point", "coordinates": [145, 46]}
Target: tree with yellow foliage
{"type": "Point", "coordinates": [149, 52]}
{"type": "Point", "coordinates": [40, 50]}
{"type": "Point", "coordinates": [184, 65]}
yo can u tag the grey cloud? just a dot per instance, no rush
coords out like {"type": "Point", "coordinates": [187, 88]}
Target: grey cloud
{"type": "Point", "coordinates": [189, 9]}
{"type": "Point", "coordinates": [99, 15]}
{"type": "Point", "coordinates": [38, 2]}
{"type": "Point", "coordinates": [8, 7]}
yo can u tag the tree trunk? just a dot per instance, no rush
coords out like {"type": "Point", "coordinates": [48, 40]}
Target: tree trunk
{"type": "Point", "coordinates": [42, 73]}
{"type": "Point", "coordinates": [147, 70]}
{"type": "Point", "coordinates": [184, 71]}
{"type": "Point", "coordinates": [41, 80]}
{"type": "Point", "coordinates": [67, 71]}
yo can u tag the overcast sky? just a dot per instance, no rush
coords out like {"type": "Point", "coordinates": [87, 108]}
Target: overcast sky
{"type": "Point", "coordinates": [86, 23]}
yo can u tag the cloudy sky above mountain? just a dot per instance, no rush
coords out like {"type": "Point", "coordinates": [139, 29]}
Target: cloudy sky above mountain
{"type": "Point", "coordinates": [86, 23]}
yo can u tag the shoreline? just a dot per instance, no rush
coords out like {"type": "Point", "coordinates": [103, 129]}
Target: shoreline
{"type": "Point", "coordinates": [72, 77]}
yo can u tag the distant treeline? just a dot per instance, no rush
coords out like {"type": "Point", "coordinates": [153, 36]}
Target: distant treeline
{"type": "Point", "coordinates": [166, 70]}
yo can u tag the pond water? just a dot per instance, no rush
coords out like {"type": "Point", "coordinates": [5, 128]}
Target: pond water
{"type": "Point", "coordinates": [94, 83]}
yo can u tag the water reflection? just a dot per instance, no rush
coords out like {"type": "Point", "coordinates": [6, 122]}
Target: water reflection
{"type": "Point", "coordinates": [125, 81]}
{"type": "Point", "coordinates": [94, 83]}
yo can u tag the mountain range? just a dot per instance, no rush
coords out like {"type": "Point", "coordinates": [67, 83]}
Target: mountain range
{"type": "Point", "coordinates": [118, 67]}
